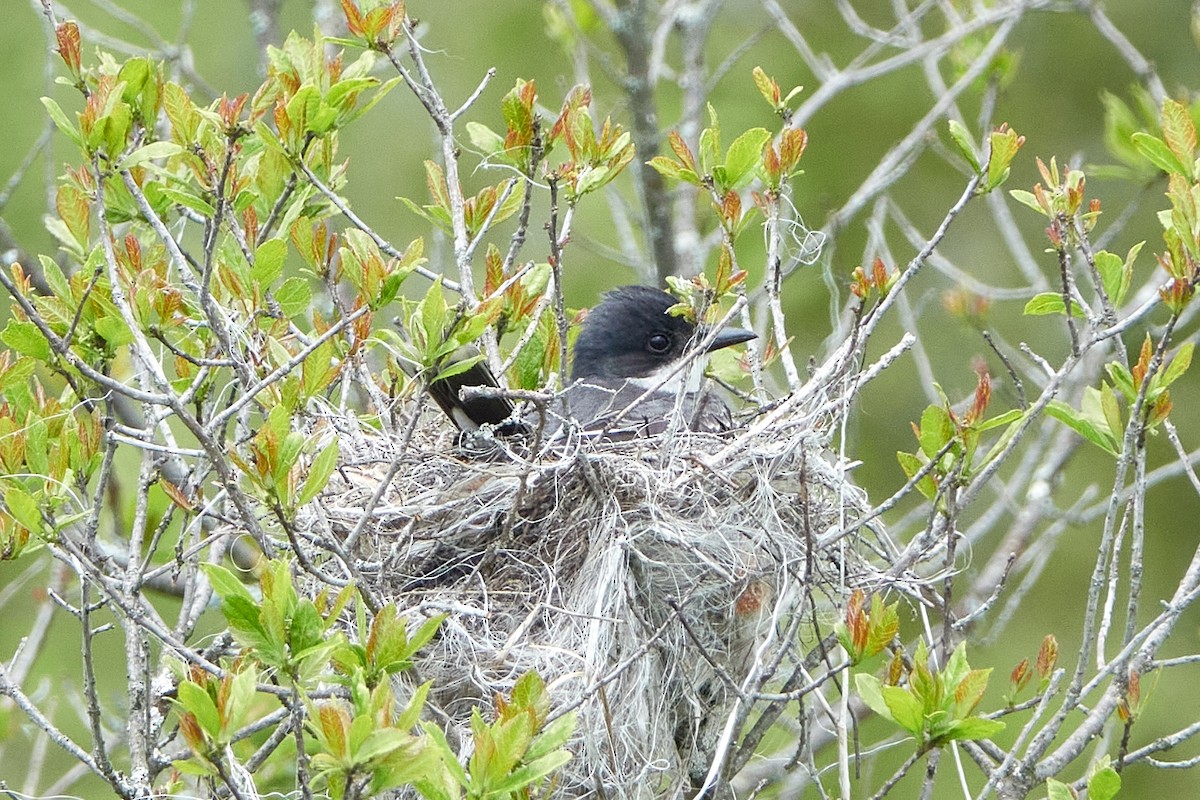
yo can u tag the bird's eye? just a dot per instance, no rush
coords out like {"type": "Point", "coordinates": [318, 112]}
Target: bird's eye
{"type": "Point", "coordinates": [658, 343]}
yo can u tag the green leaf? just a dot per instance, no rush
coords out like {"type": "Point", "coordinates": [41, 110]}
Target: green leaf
{"type": "Point", "coordinates": [26, 339]}
{"type": "Point", "coordinates": [511, 738]}
{"type": "Point", "coordinates": [710, 142]}
{"type": "Point", "coordinates": [15, 379]}
{"type": "Point", "coordinates": [432, 313]}
{"type": "Point", "coordinates": [1004, 146]}
{"type": "Point", "coordinates": [529, 692]}
{"type": "Point", "coordinates": [114, 330]}
{"type": "Point", "coordinates": [138, 74]}
{"type": "Point", "coordinates": [1073, 420]}
{"type": "Point", "coordinates": [188, 200]}
{"type": "Point", "coordinates": [1127, 275]}
{"type": "Point", "coordinates": [149, 152]}
{"type": "Point", "coordinates": [936, 430]}
{"type": "Point", "coordinates": [766, 86]}
{"type": "Point", "coordinates": [294, 296]}
{"type": "Point", "coordinates": [323, 120]}
{"type": "Point", "coordinates": [289, 451]}
{"type": "Point", "coordinates": [189, 767]}
{"type": "Point", "coordinates": [24, 509]}
{"type": "Point", "coordinates": [340, 94]}
{"type": "Point", "coordinates": [318, 474]}
{"type": "Point", "coordinates": [911, 465]}
{"type": "Point", "coordinates": [376, 96]}
{"type": "Point", "coordinates": [1154, 149]}
{"type": "Point", "coordinates": [907, 711]}
{"type": "Point", "coordinates": [412, 712]}
{"type": "Point", "coordinates": [518, 116]}
{"type": "Point", "coordinates": [957, 668]}
{"type": "Point", "coordinates": [971, 729]}
{"type": "Point", "coordinates": [592, 178]}
{"type": "Point", "coordinates": [552, 737]}
{"type": "Point", "coordinates": [360, 731]}
{"type": "Point", "coordinates": [1027, 199]}
{"type": "Point", "coordinates": [485, 139]}
{"type": "Point", "coordinates": [1111, 269]}
{"type": "Point", "coordinates": [457, 367]}
{"type": "Point", "coordinates": [1179, 131]}
{"type": "Point", "coordinates": [1179, 365]}
{"type": "Point", "coordinates": [1045, 303]}
{"type": "Point", "coordinates": [1121, 379]}
{"type": "Point", "coordinates": [246, 620]}
{"type": "Point", "coordinates": [1164, 219]}
{"type": "Point", "coordinates": [225, 583]}
{"type": "Point", "coordinates": [278, 586]}
{"type": "Point", "coordinates": [59, 230]}
{"type": "Point", "coordinates": [116, 126]}
{"type": "Point", "coordinates": [870, 689]}
{"type": "Point", "coordinates": [744, 155]}
{"type": "Point", "coordinates": [969, 691]}
{"type": "Point", "coordinates": [1104, 783]}
{"type": "Point", "coordinates": [388, 646]}
{"type": "Point", "coordinates": [37, 447]}
{"type": "Point", "coordinates": [60, 119]}
{"type": "Point", "coordinates": [197, 701]}
{"type": "Point", "coordinates": [241, 698]}
{"type": "Point", "coordinates": [1057, 790]}
{"type": "Point", "coordinates": [1112, 412]}
{"type": "Point", "coordinates": [433, 214]}
{"type": "Point", "coordinates": [55, 278]}
{"type": "Point", "coordinates": [306, 628]}
{"type": "Point", "coordinates": [1119, 125]}
{"type": "Point", "coordinates": [670, 168]}
{"type": "Point", "coordinates": [268, 261]}
{"type": "Point", "coordinates": [512, 204]}
{"type": "Point", "coordinates": [380, 743]}
{"type": "Point", "coordinates": [313, 662]}
{"type": "Point", "coordinates": [470, 328]}
{"type": "Point", "coordinates": [883, 625]}
{"type": "Point", "coordinates": [425, 633]}
{"type": "Point", "coordinates": [1007, 418]}
{"type": "Point", "coordinates": [530, 773]}
{"type": "Point", "coordinates": [667, 167]}
{"type": "Point", "coordinates": [181, 112]}
{"type": "Point", "coordinates": [962, 141]}
{"type": "Point", "coordinates": [435, 179]}
{"type": "Point", "coordinates": [450, 761]}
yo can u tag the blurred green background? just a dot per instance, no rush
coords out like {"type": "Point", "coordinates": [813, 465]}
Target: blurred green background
{"type": "Point", "coordinates": [1053, 100]}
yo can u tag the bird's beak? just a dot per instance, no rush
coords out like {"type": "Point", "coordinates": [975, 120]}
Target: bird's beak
{"type": "Point", "coordinates": [728, 336]}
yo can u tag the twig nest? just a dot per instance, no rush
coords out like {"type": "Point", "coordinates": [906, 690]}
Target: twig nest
{"type": "Point", "coordinates": [650, 585]}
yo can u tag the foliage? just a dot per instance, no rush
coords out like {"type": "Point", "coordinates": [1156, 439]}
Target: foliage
{"type": "Point", "coordinates": [179, 379]}
{"type": "Point", "coordinates": [936, 706]}
{"type": "Point", "coordinates": [359, 742]}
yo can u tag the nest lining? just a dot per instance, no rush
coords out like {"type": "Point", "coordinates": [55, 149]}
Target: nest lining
{"type": "Point", "coordinates": [640, 583]}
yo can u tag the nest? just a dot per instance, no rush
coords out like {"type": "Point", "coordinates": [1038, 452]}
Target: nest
{"type": "Point", "coordinates": [649, 582]}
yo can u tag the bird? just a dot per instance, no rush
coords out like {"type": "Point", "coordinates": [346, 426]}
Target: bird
{"type": "Point", "coordinates": [626, 376]}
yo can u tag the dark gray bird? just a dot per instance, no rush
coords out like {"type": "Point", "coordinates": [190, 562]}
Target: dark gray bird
{"type": "Point", "coordinates": [626, 375]}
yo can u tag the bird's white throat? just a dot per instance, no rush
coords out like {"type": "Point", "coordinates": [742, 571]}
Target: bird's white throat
{"type": "Point", "coordinates": [687, 378]}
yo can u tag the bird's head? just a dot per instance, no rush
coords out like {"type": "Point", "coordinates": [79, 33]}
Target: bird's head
{"type": "Point", "coordinates": [630, 336]}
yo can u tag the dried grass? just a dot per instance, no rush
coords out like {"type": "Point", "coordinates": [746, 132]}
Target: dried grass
{"type": "Point", "coordinates": [651, 587]}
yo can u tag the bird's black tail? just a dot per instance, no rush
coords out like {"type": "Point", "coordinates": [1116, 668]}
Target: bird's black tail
{"type": "Point", "coordinates": [472, 413]}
